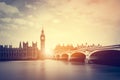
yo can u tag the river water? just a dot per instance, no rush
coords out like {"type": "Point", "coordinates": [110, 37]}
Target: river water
{"type": "Point", "coordinates": [56, 70]}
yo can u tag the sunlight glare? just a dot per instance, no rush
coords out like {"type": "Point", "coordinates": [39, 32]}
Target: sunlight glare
{"type": "Point", "coordinates": [49, 52]}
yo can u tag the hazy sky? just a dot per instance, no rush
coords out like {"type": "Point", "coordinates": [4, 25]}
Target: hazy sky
{"type": "Point", "coordinates": [64, 21]}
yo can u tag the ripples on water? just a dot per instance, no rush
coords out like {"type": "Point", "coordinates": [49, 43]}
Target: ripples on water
{"type": "Point", "coordinates": [56, 70]}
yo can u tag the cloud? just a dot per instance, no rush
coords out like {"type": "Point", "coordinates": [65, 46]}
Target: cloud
{"type": "Point", "coordinates": [7, 14]}
{"type": "Point", "coordinates": [12, 22]}
{"type": "Point", "coordinates": [97, 18]}
{"type": "Point", "coordinates": [8, 10]}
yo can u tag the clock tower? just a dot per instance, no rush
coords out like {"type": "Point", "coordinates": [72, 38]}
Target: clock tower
{"type": "Point", "coordinates": [42, 39]}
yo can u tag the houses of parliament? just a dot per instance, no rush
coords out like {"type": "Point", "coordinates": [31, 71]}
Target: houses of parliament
{"type": "Point", "coordinates": [24, 51]}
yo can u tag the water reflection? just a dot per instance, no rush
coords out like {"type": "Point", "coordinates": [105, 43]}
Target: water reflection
{"type": "Point", "coordinates": [56, 70]}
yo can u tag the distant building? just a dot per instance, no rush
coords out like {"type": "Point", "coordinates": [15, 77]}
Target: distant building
{"type": "Point", "coordinates": [24, 51]}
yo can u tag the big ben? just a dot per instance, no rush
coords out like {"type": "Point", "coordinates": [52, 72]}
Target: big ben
{"type": "Point", "coordinates": [42, 39]}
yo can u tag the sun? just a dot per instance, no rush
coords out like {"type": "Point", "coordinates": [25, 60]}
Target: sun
{"type": "Point", "coordinates": [49, 52]}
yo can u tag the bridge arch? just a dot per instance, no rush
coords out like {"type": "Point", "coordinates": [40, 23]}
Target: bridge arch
{"type": "Point", "coordinates": [57, 57]}
{"type": "Point", "coordinates": [65, 57]}
{"type": "Point", "coordinates": [108, 57]}
{"type": "Point", "coordinates": [78, 56]}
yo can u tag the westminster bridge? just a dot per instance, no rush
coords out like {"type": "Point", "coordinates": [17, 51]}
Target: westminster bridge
{"type": "Point", "coordinates": [89, 54]}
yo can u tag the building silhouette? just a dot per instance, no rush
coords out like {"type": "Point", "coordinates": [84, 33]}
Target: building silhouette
{"type": "Point", "coordinates": [24, 51]}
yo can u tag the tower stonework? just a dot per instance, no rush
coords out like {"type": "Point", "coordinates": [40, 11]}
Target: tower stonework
{"type": "Point", "coordinates": [42, 39]}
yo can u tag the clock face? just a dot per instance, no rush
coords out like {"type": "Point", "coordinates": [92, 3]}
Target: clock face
{"type": "Point", "coordinates": [42, 38]}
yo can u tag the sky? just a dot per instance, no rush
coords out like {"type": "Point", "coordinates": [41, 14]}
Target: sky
{"type": "Point", "coordinates": [64, 21]}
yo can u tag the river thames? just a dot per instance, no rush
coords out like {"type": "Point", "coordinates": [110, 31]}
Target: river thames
{"type": "Point", "coordinates": [56, 70]}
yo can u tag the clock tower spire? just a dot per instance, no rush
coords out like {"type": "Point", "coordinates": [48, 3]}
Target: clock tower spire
{"type": "Point", "coordinates": [42, 39]}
